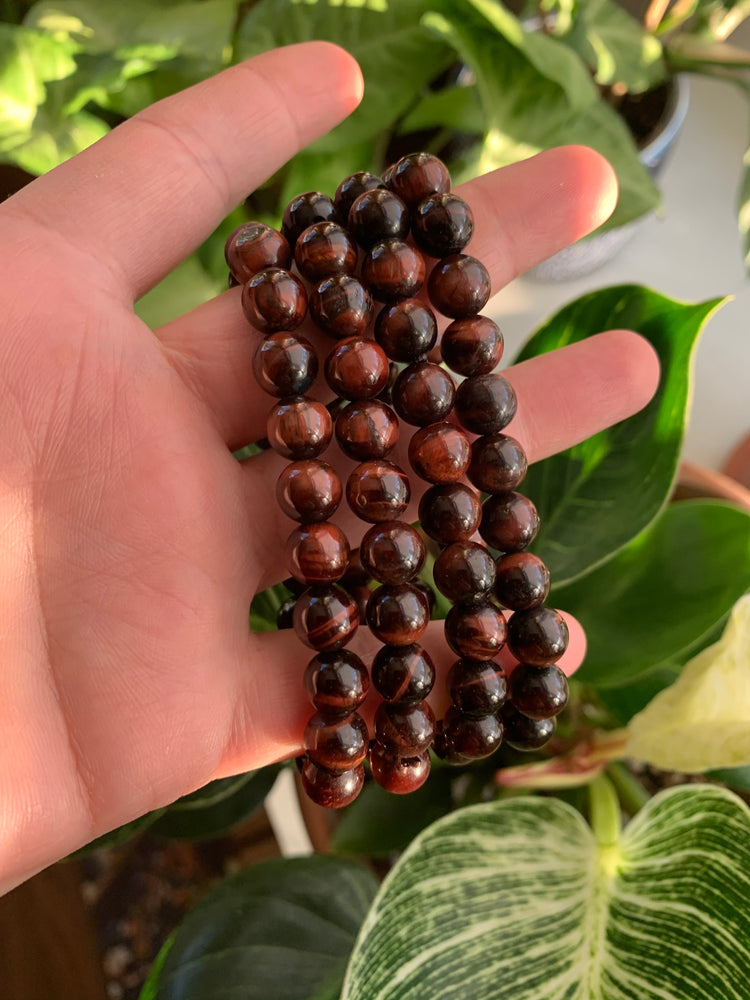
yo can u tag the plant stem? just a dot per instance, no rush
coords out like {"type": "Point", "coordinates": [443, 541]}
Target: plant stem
{"type": "Point", "coordinates": [604, 809]}
{"type": "Point", "coordinates": [632, 793]}
{"type": "Point", "coordinates": [654, 14]}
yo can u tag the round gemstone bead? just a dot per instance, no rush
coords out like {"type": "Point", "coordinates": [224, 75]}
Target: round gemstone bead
{"type": "Point", "coordinates": [336, 682]}
{"type": "Point", "coordinates": [388, 174]}
{"type": "Point", "coordinates": [350, 189]}
{"type": "Point", "coordinates": [393, 270]}
{"type": "Point", "coordinates": [406, 330]}
{"type": "Point", "coordinates": [378, 491]}
{"type": "Point", "coordinates": [386, 396]}
{"type": "Point", "coordinates": [232, 281]}
{"type": "Point", "coordinates": [404, 729]}
{"type": "Point", "coordinates": [341, 306]}
{"type": "Point", "coordinates": [485, 403]}
{"type": "Point", "coordinates": [331, 789]}
{"type": "Point", "coordinates": [273, 300]}
{"type": "Point", "coordinates": [325, 617]}
{"type": "Point", "coordinates": [465, 572]}
{"type": "Point", "coordinates": [254, 246]}
{"type": "Point", "coordinates": [522, 581]}
{"type": "Point", "coordinates": [323, 249]}
{"type": "Point", "coordinates": [476, 631]}
{"type": "Point", "coordinates": [367, 429]}
{"type": "Point", "coordinates": [523, 733]}
{"type": "Point", "coordinates": [423, 394]}
{"type": "Point", "coordinates": [305, 210]}
{"type": "Point", "coordinates": [459, 286]}
{"type": "Point", "coordinates": [285, 365]}
{"type": "Point", "coordinates": [449, 513]}
{"type": "Point", "coordinates": [538, 636]}
{"type": "Point", "coordinates": [392, 552]}
{"type": "Point", "coordinates": [398, 614]}
{"type": "Point", "coordinates": [509, 522]}
{"type": "Point", "coordinates": [308, 491]}
{"type": "Point", "coordinates": [336, 744]}
{"type": "Point", "coordinates": [477, 687]}
{"type": "Point", "coordinates": [405, 674]}
{"type": "Point", "coordinates": [498, 463]}
{"type": "Point", "coordinates": [299, 428]}
{"type": "Point", "coordinates": [285, 614]}
{"type": "Point", "coordinates": [538, 692]}
{"type": "Point", "coordinates": [399, 775]}
{"type": "Point", "coordinates": [357, 368]}
{"type": "Point", "coordinates": [317, 553]}
{"type": "Point", "coordinates": [442, 225]}
{"type": "Point", "coordinates": [416, 176]}
{"type": "Point", "coordinates": [440, 453]}
{"type": "Point", "coordinates": [462, 739]}
{"type": "Point", "coordinates": [472, 346]}
{"type": "Point", "coordinates": [378, 215]}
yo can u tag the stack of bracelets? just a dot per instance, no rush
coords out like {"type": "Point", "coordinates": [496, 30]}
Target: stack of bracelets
{"type": "Point", "coordinates": [369, 244]}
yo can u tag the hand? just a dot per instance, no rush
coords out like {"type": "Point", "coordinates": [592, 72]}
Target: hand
{"type": "Point", "coordinates": [132, 541]}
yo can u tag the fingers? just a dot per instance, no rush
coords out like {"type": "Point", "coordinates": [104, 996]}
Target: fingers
{"type": "Point", "coordinates": [145, 196]}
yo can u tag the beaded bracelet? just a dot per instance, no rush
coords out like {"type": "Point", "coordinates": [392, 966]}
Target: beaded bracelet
{"type": "Point", "coordinates": [368, 244]}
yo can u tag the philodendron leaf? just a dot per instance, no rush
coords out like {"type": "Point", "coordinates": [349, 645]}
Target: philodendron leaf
{"type": "Point", "coordinates": [597, 496]}
{"type": "Point", "coordinates": [517, 900]}
{"type": "Point", "coordinates": [701, 721]}
{"type": "Point", "coordinates": [280, 930]}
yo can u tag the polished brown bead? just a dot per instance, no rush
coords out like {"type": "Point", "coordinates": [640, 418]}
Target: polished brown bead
{"type": "Point", "coordinates": [393, 270]}
{"type": "Point", "coordinates": [367, 429]}
{"type": "Point", "coordinates": [538, 692]}
{"type": "Point", "coordinates": [459, 286]}
{"type": "Point", "coordinates": [423, 393]}
{"type": "Point", "coordinates": [356, 575]}
{"type": "Point", "coordinates": [350, 189]}
{"type": "Point", "coordinates": [428, 591]}
{"type": "Point", "coordinates": [254, 246]}
{"type": "Point", "coordinates": [498, 463]}
{"type": "Point", "coordinates": [523, 733]}
{"type": "Point", "coordinates": [378, 491]}
{"type": "Point", "coordinates": [461, 739]}
{"type": "Point", "coordinates": [399, 775]}
{"type": "Point", "coordinates": [308, 491]}
{"type": "Point", "coordinates": [403, 673]}
{"type": "Point", "coordinates": [305, 210]}
{"type": "Point", "coordinates": [386, 395]}
{"type": "Point", "coordinates": [337, 744]}
{"type": "Point", "coordinates": [273, 300]}
{"type": "Point", "coordinates": [285, 614]}
{"type": "Point", "coordinates": [485, 403]}
{"type": "Point", "coordinates": [232, 281]}
{"type": "Point", "coordinates": [392, 552]}
{"type": "Point", "coordinates": [357, 368]}
{"type": "Point", "coordinates": [464, 572]}
{"type": "Point", "coordinates": [341, 306]}
{"type": "Point", "coordinates": [285, 365]}
{"type": "Point", "coordinates": [538, 636]}
{"type": "Point", "coordinates": [472, 346]}
{"type": "Point", "coordinates": [418, 175]}
{"type": "Point", "coordinates": [522, 581]}
{"type": "Point", "coordinates": [509, 522]}
{"type": "Point", "coordinates": [378, 215]}
{"type": "Point", "coordinates": [323, 249]}
{"type": "Point", "coordinates": [398, 614]}
{"type": "Point", "coordinates": [388, 174]}
{"type": "Point", "coordinates": [317, 553]}
{"type": "Point", "coordinates": [440, 453]}
{"type": "Point", "coordinates": [299, 428]}
{"type": "Point", "coordinates": [475, 631]}
{"type": "Point", "coordinates": [325, 617]}
{"type": "Point", "coordinates": [406, 330]}
{"type": "Point", "coordinates": [477, 687]}
{"type": "Point", "coordinates": [404, 729]}
{"type": "Point", "coordinates": [449, 513]}
{"type": "Point", "coordinates": [331, 789]}
{"type": "Point", "coordinates": [336, 682]}
{"type": "Point", "coordinates": [442, 225]}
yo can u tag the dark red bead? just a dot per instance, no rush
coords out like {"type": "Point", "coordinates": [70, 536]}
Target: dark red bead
{"type": "Point", "coordinates": [337, 682]}
{"type": "Point", "coordinates": [317, 553]}
{"type": "Point", "coordinates": [523, 733]}
{"type": "Point", "coordinates": [304, 210]}
{"type": "Point", "coordinates": [404, 729]}
{"type": "Point", "coordinates": [440, 453]}
{"type": "Point", "coordinates": [254, 246]}
{"type": "Point", "coordinates": [274, 300]}
{"type": "Point", "coordinates": [406, 330]}
{"type": "Point", "coordinates": [393, 270]}
{"type": "Point", "coordinates": [350, 189]}
{"type": "Point", "coordinates": [461, 739]}
{"type": "Point", "coordinates": [477, 687]}
{"type": "Point", "coordinates": [332, 789]}
{"type": "Point", "coordinates": [418, 175]}
{"type": "Point", "coordinates": [232, 281]}
{"type": "Point", "coordinates": [285, 614]}
{"type": "Point", "coordinates": [325, 617]}
{"type": "Point", "coordinates": [388, 174]}
{"type": "Point", "coordinates": [538, 636]}
{"type": "Point", "coordinates": [378, 491]}
{"type": "Point", "coordinates": [378, 215]}
{"type": "Point", "coordinates": [442, 225]}
{"type": "Point", "coordinates": [485, 403]}
{"type": "Point", "coordinates": [509, 522]}
{"type": "Point", "coordinates": [357, 368]}
{"type": "Point", "coordinates": [522, 581]}
{"type": "Point", "coordinates": [336, 744]}
{"type": "Point", "coordinates": [498, 463]}
{"type": "Point", "coordinates": [464, 572]}
{"type": "Point", "coordinates": [398, 614]}
{"type": "Point", "coordinates": [299, 428]}
{"type": "Point", "coordinates": [308, 491]}
{"type": "Point", "coordinates": [403, 673]}
{"type": "Point", "coordinates": [367, 429]}
{"type": "Point", "coordinates": [392, 552]}
{"type": "Point", "coordinates": [399, 775]}
{"type": "Point", "coordinates": [428, 592]}
{"type": "Point", "coordinates": [459, 286]}
{"type": "Point", "coordinates": [356, 575]}
{"type": "Point", "coordinates": [472, 346]}
{"type": "Point", "coordinates": [475, 631]}
{"type": "Point", "coordinates": [449, 513]}
{"type": "Point", "coordinates": [423, 393]}
{"type": "Point", "coordinates": [323, 249]}
{"type": "Point", "coordinates": [386, 396]}
{"type": "Point", "coordinates": [341, 306]}
{"type": "Point", "coordinates": [285, 365]}
{"type": "Point", "coordinates": [538, 692]}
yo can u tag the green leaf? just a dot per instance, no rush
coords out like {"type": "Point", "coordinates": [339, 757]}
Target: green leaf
{"type": "Point", "coordinates": [456, 108]}
{"type": "Point", "coordinates": [265, 606]}
{"type": "Point", "coordinates": [735, 777]}
{"type": "Point", "coordinates": [597, 496]}
{"type": "Point", "coordinates": [188, 286]}
{"type": "Point", "coordinates": [625, 700]}
{"type": "Point", "coordinates": [119, 835]}
{"type": "Point", "coordinates": [151, 985]}
{"type": "Point", "coordinates": [516, 899]}
{"type": "Point", "coordinates": [281, 930]}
